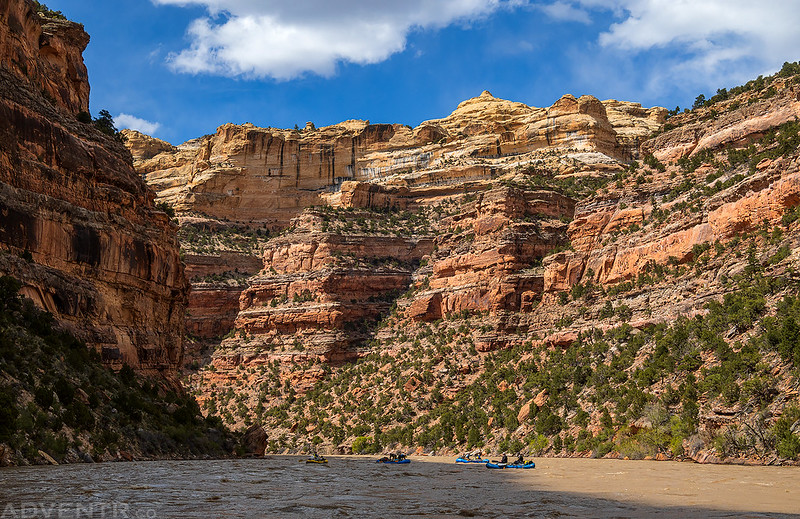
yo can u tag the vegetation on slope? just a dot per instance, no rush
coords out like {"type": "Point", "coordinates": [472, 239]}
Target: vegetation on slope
{"type": "Point", "coordinates": [636, 392]}
{"type": "Point", "coordinates": [56, 397]}
{"type": "Point", "coordinates": [45, 11]}
{"type": "Point", "coordinates": [722, 378]}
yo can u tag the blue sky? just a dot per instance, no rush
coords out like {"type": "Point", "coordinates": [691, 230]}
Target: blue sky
{"type": "Point", "coordinates": [177, 69]}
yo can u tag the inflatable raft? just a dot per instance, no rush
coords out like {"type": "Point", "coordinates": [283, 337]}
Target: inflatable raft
{"type": "Point", "coordinates": [528, 465]}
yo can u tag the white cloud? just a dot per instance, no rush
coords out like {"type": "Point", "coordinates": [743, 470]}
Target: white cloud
{"type": "Point", "coordinates": [285, 39]}
{"type": "Point", "coordinates": [566, 12]}
{"type": "Point", "coordinates": [134, 123]}
{"type": "Point", "coordinates": [714, 33]}
{"type": "Point", "coordinates": [698, 42]}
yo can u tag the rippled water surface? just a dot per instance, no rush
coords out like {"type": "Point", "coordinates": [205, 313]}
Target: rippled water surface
{"type": "Point", "coordinates": [281, 486]}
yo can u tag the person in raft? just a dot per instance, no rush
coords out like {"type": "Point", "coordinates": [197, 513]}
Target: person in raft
{"type": "Point", "coordinates": [504, 459]}
{"type": "Point", "coordinates": [317, 457]}
{"type": "Point", "coordinates": [520, 459]}
{"type": "Point", "coordinates": [469, 455]}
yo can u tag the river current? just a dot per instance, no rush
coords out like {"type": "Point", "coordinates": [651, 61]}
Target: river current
{"type": "Point", "coordinates": [284, 487]}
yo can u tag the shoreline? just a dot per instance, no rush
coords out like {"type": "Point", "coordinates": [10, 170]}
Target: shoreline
{"type": "Point", "coordinates": [711, 460]}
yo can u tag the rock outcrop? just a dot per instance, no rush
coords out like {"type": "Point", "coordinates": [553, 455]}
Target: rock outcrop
{"type": "Point", "coordinates": [616, 243]}
{"type": "Point", "coordinates": [46, 54]}
{"type": "Point", "coordinates": [78, 225]}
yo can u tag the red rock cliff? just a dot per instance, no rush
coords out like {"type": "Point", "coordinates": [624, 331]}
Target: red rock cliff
{"type": "Point", "coordinates": [78, 225]}
{"type": "Point", "coordinates": [46, 53]}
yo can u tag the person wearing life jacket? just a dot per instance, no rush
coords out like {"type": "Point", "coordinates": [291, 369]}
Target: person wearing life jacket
{"type": "Point", "coordinates": [317, 457]}
{"type": "Point", "coordinates": [520, 460]}
{"type": "Point", "coordinates": [504, 459]}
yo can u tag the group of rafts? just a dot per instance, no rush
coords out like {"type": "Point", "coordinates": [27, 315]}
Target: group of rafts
{"type": "Point", "coordinates": [503, 463]}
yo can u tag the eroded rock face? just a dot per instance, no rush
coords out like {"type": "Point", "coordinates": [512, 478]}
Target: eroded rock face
{"type": "Point", "coordinates": [326, 283]}
{"type": "Point", "coordinates": [491, 272]}
{"type": "Point", "coordinates": [78, 225]}
{"type": "Point", "coordinates": [736, 128]}
{"type": "Point", "coordinates": [266, 176]}
{"type": "Point", "coordinates": [46, 53]}
{"type": "Point", "coordinates": [708, 223]}
{"type": "Point", "coordinates": [669, 220]}
{"type": "Point", "coordinates": [311, 299]}
{"type": "Point", "coordinates": [320, 291]}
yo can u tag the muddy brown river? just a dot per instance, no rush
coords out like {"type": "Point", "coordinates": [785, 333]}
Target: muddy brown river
{"type": "Point", "coordinates": [281, 486]}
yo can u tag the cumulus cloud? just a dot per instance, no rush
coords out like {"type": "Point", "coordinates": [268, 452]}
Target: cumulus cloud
{"type": "Point", "coordinates": [714, 35]}
{"type": "Point", "coordinates": [674, 42]}
{"type": "Point", "coordinates": [135, 123]}
{"type": "Point", "coordinates": [284, 39]}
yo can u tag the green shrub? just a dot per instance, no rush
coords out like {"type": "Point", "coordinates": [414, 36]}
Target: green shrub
{"type": "Point", "coordinates": [65, 391]}
{"type": "Point", "coordinates": [363, 445]}
{"type": "Point", "coordinates": [538, 443]}
{"type": "Point", "coordinates": [788, 443]}
{"type": "Point", "coordinates": [79, 416]}
{"type": "Point", "coordinates": [44, 397]}
{"type": "Point", "coordinates": [8, 413]}
{"type": "Point", "coordinates": [47, 12]}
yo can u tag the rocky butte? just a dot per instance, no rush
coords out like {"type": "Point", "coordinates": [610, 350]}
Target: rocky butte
{"type": "Point", "coordinates": [79, 227]}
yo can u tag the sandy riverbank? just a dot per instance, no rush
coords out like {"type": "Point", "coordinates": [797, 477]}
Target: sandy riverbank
{"type": "Point", "coordinates": [758, 489]}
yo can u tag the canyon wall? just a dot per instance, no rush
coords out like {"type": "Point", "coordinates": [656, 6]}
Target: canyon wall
{"type": "Point", "coordinates": [520, 278]}
{"type": "Point", "coordinates": [79, 227]}
{"type": "Point", "coordinates": [243, 178]}
{"type": "Point", "coordinates": [266, 176]}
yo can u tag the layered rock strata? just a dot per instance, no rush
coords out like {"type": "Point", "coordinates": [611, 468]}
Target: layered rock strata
{"type": "Point", "coordinates": [619, 235]}
{"type": "Point", "coordinates": [263, 178]}
{"type": "Point", "coordinates": [321, 291]}
{"type": "Point", "coordinates": [78, 225]}
{"type": "Point", "coordinates": [266, 176]}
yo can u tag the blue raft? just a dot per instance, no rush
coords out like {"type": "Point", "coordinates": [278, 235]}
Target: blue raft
{"type": "Point", "coordinates": [464, 460]}
{"type": "Point", "coordinates": [395, 462]}
{"type": "Point", "coordinates": [528, 465]}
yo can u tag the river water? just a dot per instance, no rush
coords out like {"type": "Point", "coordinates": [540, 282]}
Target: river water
{"type": "Point", "coordinates": [281, 486]}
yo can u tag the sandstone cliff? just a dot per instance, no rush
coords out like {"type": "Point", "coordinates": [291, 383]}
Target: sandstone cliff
{"type": "Point", "coordinates": [266, 176]}
{"type": "Point", "coordinates": [245, 178]}
{"type": "Point", "coordinates": [46, 54]}
{"type": "Point", "coordinates": [78, 225]}
{"type": "Point", "coordinates": [588, 278]}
